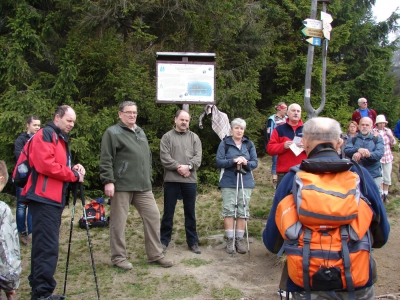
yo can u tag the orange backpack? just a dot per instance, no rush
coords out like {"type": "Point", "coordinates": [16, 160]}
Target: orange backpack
{"type": "Point", "coordinates": [325, 226]}
{"type": "Point", "coordinates": [95, 214]}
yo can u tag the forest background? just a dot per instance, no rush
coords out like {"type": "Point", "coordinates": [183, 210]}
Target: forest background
{"type": "Point", "coordinates": [93, 55]}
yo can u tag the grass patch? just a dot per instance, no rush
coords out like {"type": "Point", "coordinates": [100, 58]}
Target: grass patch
{"type": "Point", "coordinates": [228, 292]}
{"type": "Point", "coordinates": [196, 262]}
{"type": "Point", "coordinates": [181, 287]}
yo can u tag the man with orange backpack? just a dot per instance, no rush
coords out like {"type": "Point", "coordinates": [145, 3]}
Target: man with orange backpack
{"type": "Point", "coordinates": [326, 216]}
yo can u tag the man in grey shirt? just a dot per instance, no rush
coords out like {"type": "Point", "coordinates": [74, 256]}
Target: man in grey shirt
{"type": "Point", "coordinates": [180, 154]}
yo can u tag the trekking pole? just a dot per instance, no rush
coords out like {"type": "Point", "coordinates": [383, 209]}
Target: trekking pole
{"type": "Point", "coordinates": [236, 207]}
{"type": "Point", "coordinates": [89, 242]}
{"type": "Point", "coordinates": [75, 191]}
{"type": "Point", "coordinates": [244, 208]}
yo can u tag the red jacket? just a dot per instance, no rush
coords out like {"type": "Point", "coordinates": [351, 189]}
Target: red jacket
{"type": "Point", "coordinates": [357, 115]}
{"type": "Point", "coordinates": [50, 159]}
{"type": "Point", "coordinates": [286, 158]}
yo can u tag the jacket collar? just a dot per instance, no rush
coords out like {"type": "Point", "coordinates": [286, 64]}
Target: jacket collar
{"type": "Point", "coordinates": [369, 136]}
{"type": "Point", "coordinates": [120, 123]}
{"type": "Point", "coordinates": [323, 150]}
{"type": "Point", "coordinates": [229, 139]}
{"type": "Point", "coordinates": [58, 131]}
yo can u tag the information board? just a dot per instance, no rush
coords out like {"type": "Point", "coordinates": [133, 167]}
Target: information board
{"type": "Point", "coordinates": [185, 82]}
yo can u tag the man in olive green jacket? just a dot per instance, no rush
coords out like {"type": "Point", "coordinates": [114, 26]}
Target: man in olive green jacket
{"type": "Point", "coordinates": [125, 171]}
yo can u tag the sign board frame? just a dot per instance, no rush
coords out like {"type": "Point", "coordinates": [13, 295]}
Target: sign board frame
{"type": "Point", "coordinates": [185, 78]}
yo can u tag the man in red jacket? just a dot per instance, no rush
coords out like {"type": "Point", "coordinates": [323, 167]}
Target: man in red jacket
{"type": "Point", "coordinates": [46, 192]}
{"type": "Point", "coordinates": [286, 142]}
{"type": "Point", "coordinates": [363, 111]}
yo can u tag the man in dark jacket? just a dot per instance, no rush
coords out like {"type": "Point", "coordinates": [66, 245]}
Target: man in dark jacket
{"type": "Point", "coordinates": [367, 150]}
{"type": "Point", "coordinates": [46, 192]}
{"type": "Point", "coordinates": [23, 213]}
{"type": "Point", "coordinates": [125, 171]}
{"type": "Point", "coordinates": [321, 140]}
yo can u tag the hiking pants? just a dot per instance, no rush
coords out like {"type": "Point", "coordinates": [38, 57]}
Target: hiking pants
{"type": "Point", "coordinates": [147, 208]}
{"type": "Point", "coordinates": [46, 220]}
{"type": "Point", "coordinates": [171, 192]}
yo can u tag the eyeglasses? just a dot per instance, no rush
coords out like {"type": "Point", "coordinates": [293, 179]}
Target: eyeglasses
{"type": "Point", "coordinates": [130, 112]}
{"type": "Point", "coordinates": [364, 102]}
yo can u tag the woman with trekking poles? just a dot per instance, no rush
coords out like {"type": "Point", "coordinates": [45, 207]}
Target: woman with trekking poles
{"type": "Point", "coordinates": [236, 157]}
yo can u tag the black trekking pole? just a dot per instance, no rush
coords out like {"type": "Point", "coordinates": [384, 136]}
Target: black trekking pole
{"type": "Point", "coordinates": [75, 191]}
{"type": "Point", "coordinates": [89, 241]}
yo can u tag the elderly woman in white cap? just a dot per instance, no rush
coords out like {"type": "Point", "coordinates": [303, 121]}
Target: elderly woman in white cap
{"type": "Point", "coordinates": [389, 141]}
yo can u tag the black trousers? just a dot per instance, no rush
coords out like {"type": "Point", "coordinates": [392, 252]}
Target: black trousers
{"type": "Point", "coordinates": [172, 191]}
{"type": "Point", "coordinates": [46, 220]}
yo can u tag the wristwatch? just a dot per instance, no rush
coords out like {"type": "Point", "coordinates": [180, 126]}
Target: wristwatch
{"type": "Point", "coordinates": [190, 166]}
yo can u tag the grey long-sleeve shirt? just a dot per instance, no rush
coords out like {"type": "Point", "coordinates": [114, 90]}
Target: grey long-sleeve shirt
{"type": "Point", "coordinates": [180, 148]}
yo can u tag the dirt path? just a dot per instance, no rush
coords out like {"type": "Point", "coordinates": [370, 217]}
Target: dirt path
{"type": "Point", "coordinates": [257, 276]}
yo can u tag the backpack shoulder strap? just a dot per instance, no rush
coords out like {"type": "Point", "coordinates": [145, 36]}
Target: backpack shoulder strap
{"type": "Point", "coordinates": [374, 139]}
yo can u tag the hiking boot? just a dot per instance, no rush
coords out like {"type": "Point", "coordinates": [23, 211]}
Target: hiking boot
{"type": "Point", "coordinates": [124, 265]}
{"type": "Point", "coordinates": [23, 238]}
{"type": "Point", "coordinates": [240, 247]}
{"type": "Point", "coordinates": [229, 246]}
{"type": "Point", "coordinates": [9, 295]}
{"type": "Point", "coordinates": [163, 263]}
{"type": "Point", "coordinates": [385, 198]}
{"type": "Point", "coordinates": [274, 181]}
{"type": "Point", "coordinates": [164, 248]}
{"type": "Point", "coordinates": [195, 249]}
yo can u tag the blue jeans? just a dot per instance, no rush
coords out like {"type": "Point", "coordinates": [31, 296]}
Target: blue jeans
{"type": "Point", "coordinates": [21, 215]}
{"type": "Point", "coordinates": [171, 192]}
{"type": "Point", "coordinates": [273, 168]}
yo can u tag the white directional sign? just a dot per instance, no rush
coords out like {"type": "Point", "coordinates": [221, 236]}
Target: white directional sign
{"type": "Point", "coordinates": [327, 34]}
{"type": "Point", "coordinates": [311, 23]}
{"type": "Point", "coordinates": [326, 17]}
{"type": "Point", "coordinates": [326, 24]}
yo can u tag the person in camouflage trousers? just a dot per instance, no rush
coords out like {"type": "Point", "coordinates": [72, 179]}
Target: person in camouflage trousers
{"type": "Point", "coordinates": [10, 258]}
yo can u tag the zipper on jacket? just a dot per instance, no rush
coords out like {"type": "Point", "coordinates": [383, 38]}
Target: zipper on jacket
{"type": "Point", "coordinates": [44, 184]}
{"type": "Point", "coordinates": [122, 169]}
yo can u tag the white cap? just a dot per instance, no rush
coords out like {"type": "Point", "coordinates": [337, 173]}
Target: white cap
{"type": "Point", "coordinates": [380, 119]}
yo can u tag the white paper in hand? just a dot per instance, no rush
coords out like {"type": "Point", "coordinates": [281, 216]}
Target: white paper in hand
{"type": "Point", "coordinates": [296, 150]}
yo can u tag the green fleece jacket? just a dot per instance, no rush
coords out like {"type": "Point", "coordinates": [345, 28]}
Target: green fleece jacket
{"type": "Point", "coordinates": [180, 148]}
{"type": "Point", "coordinates": [125, 159]}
